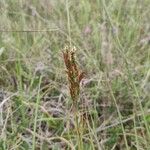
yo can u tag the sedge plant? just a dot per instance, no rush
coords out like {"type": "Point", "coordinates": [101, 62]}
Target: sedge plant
{"type": "Point", "coordinates": [74, 78]}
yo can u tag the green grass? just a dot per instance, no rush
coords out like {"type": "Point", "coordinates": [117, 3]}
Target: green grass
{"type": "Point", "coordinates": [112, 39]}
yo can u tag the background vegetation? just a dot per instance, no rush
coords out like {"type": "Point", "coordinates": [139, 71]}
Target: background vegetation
{"type": "Point", "coordinates": [112, 38]}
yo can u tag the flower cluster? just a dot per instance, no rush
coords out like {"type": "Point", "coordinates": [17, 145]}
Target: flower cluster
{"type": "Point", "coordinates": [74, 75]}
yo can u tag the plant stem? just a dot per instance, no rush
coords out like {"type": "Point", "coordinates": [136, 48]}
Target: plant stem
{"type": "Point", "coordinates": [78, 127]}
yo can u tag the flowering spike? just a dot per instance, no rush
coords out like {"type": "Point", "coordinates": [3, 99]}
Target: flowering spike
{"type": "Point", "coordinates": [74, 75]}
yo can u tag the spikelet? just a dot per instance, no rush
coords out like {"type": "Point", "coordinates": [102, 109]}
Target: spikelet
{"type": "Point", "coordinates": [74, 75]}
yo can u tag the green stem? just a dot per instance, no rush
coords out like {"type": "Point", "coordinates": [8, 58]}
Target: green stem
{"type": "Point", "coordinates": [78, 127]}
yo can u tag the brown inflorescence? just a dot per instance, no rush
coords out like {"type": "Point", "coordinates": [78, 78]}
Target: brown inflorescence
{"type": "Point", "coordinates": [74, 75]}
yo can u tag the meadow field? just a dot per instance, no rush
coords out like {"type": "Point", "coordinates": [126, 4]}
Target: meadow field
{"type": "Point", "coordinates": [102, 102]}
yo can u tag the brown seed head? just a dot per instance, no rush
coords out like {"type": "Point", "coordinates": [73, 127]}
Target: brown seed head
{"type": "Point", "coordinates": [74, 75]}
